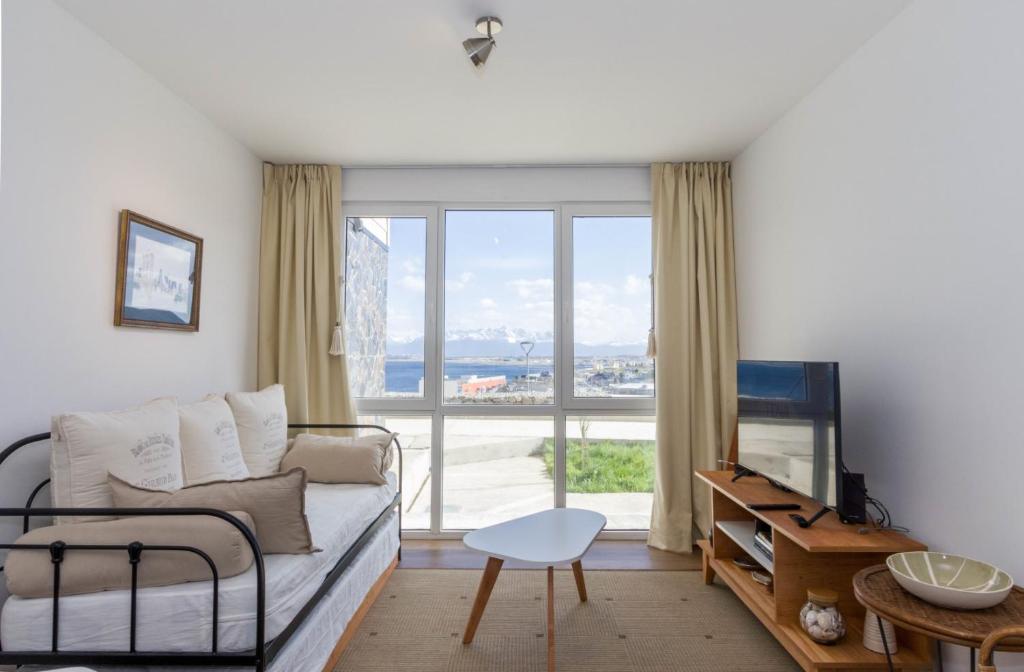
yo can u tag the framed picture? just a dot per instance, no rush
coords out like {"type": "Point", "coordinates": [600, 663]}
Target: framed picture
{"type": "Point", "coordinates": [158, 274]}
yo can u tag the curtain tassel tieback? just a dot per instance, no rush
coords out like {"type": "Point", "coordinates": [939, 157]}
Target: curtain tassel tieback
{"type": "Point", "coordinates": [337, 341]}
{"type": "Point", "coordinates": [652, 344]}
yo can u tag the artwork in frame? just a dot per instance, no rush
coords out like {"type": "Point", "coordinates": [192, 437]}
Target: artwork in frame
{"type": "Point", "coordinates": [158, 275]}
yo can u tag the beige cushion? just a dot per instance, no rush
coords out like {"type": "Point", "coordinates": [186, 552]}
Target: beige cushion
{"type": "Point", "coordinates": [276, 503]}
{"type": "Point", "coordinates": [30, 573]}
{"type": "Point", "coordinates": [139, 445]}
{"type": "Point", "coordinates": [210, 450]}
{"type": "Point", "coordinates": [342, 459]}
{"type": "Point", "coordinates": [262, 420]}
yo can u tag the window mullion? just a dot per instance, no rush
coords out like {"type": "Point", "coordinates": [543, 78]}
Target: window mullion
{"type": "Point", "coordinates": [436, 273]}
{"type": "Point", "coordinates": [563, 347]}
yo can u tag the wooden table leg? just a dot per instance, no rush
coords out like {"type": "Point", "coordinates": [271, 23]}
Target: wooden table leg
{"type": "Point", "coordinates": [581, 586]}
{"type": "Point", "coordinates": [483, 593]}
{"type": "Point", "coordinates": [707, 571]}
{"type": "Point", "coordinates": [551, 619]}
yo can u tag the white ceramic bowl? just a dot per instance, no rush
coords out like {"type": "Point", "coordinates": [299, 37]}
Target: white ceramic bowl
{"type": "Point", "coordinates": [950, 580]}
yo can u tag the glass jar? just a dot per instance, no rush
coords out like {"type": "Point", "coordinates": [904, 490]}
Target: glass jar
{"type": "Point", "coordinates": [820, 617]}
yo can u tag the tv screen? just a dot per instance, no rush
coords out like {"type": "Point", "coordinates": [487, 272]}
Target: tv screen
{"type": "Point", "coordinates": [789, 425]}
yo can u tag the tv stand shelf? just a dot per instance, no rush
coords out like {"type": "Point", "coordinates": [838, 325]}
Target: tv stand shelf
{"type": "Point", "coordinates": [742, 532]}
{"type": "Point", "coordinates": [826, 555]}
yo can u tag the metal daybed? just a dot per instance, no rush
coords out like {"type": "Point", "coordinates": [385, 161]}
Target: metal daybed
{"type": "Point", "coordinates": [260, 657]}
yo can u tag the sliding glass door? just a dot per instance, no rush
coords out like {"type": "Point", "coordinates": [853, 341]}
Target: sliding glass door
{"type": "Point", "coordinates": [506, 344]}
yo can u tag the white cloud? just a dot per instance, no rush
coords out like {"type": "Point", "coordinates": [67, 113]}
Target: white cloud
{"type": "Point", "coordinates": [488, 303]}
{"type": "Point", "coordinates": [635, 285]}
{"type": "Point", "coordinates": [512, 263]}
{"type": "Point", "coordinates": [538, 289]}
{"type": "Point", "coordinates": [603, 316]}
{"type": "Point", "coordinates": [413, 282]}
{"type": "Point", "coordinates": [460, 283]}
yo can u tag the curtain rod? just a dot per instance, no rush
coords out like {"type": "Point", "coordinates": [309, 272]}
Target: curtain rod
{"type": "Point", "coordinates": [439, 166]}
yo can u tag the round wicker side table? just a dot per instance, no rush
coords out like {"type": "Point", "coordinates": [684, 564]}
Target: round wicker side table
{"type": "Point", "coordinates": [876, 589]}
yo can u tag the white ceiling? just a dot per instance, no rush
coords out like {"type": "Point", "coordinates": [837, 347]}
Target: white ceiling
{"type": "Point", "coordinates": [382, 82]}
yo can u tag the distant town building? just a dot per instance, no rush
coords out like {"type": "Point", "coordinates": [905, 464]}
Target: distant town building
{"type": "Point", "coordinates": [450, 388]}
{"type": "Point", "coordinates": [632, 389]}
{"type": "Point", "coordinates": [474, 385]}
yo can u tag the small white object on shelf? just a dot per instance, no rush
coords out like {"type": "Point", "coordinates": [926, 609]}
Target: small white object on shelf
{"type": "Point", "coordinates": [820, 617]}
{"type": "Point", "coordinates": [873, 636]}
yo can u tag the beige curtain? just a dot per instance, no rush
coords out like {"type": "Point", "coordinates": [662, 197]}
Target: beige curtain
{"type": "Point", "coordinates": [695, 331]}
{"type": "Point", "coordinates": [300, 291]}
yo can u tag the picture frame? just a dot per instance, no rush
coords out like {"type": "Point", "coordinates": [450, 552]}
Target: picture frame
{"type": "Point", "coordinates": [159, 273]}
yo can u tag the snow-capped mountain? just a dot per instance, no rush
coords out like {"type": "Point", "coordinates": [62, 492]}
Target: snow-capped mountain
{"type": "Point", "coordinates": [505, 334]}
{"type": "Point", "coordinates": [504, 342]}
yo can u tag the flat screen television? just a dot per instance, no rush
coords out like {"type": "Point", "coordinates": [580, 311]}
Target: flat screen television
{"type": "Point", "coordinates": [789, 426]}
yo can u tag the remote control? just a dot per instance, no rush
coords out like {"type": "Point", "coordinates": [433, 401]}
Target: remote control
{"type": "Point", "coordinates": [773, 507]}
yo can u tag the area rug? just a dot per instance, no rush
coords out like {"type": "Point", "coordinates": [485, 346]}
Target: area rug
{"type": "Point", "coordinates": [635, 621]}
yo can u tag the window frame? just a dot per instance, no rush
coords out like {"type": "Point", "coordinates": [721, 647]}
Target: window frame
{"type": "Point", "coordinates": [425, 403]}
{"type": "Point", "coordinates": [443, 209]}
{"type": "Point", "coordinates": [567, 301]}
{"type": "Point", "coordinates": [564, 403]}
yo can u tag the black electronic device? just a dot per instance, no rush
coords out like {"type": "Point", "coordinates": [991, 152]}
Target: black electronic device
{"type": "Point", "coordinates": [773, 507]}
{"type": "Point", "coordinates": [789, 431]}
{"type": "Point", "coordinates": [807, 522]}
{"type": "Point", "coordinates": [853, 508]}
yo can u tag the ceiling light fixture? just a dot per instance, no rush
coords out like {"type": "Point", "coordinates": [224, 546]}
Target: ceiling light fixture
{"type": "Point", "coordinates": [479, 48]}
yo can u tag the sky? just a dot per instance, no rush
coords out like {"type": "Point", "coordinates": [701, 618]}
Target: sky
{"type": "Point", "coordinates": [499, 272]}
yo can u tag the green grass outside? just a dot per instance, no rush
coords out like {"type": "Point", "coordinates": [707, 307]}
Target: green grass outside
{"type": "Point", "coordinates": [606, 465]}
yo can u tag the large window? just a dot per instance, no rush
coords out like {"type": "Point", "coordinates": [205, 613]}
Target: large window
{"type": "Point", "coordinates": [499, 298]}
{"type": "Point", "coordinates": [416, 435]}
{"type": "Point", "coordinates": [611, 266]}
{"type": "Point", "coordinates": [507, 346]}
{"type": "Point", "coordinates": [494, 469]}
{"type": "Point", "coordinates": [610, 467]}
{"type": "Point", "coordinates": [386, 268]}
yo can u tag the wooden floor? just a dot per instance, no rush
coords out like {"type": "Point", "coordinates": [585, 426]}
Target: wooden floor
{"type": "Point", "coordinates": [451, 554]}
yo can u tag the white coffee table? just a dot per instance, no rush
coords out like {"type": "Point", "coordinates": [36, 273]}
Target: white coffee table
{"type": "Point", "coordinates": [543, 539]}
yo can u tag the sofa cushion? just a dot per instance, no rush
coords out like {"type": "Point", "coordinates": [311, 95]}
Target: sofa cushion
{"type": "Point", "coordinates": [139, 445]}
{"type": "Point", "coordinates": [276, 503]}
{"type": "Point", "coordinates": [30, 572]}
{"type": "Point", "coordinates": [262, 420]}
{"type": "Point", "coordinates": [210, 450]}
{"type": "Point", "coordinates": [342, 459]}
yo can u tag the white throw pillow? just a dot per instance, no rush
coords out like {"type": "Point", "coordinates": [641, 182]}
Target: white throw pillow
{"type": "Point", "coordinates": [262, 420]}
{"type": "Point", "coordinates": [139, 445]}
{"type": "Point", "coordinates": [210, 450]}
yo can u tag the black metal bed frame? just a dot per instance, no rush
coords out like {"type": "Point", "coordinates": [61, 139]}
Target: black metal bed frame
{"type": "Point", "coordinates": [264, 652]}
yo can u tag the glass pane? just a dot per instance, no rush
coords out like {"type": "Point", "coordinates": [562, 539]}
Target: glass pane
{"type": "Point", "coordinates": [414, 435]}
{"type": "Point", "coordinates": [495, 470]}
{"type": "Point", "coordinates": [611, 267]}
{"type": "Point", "coordinates": [772, 380]}
{"type": "Point", "coordinates": [385, 309]}
{"type": "Point", "coordinates": [609, 468]}
{"type": "Point", "coordinates": [499, 307]}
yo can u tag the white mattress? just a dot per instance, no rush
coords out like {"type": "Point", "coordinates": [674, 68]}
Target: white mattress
{"type": "Point", "coordinates": [179, 618]}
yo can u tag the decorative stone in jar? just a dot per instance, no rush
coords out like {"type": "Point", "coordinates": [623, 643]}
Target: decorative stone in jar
{"type": "Point", "coordinates": [820, 617]}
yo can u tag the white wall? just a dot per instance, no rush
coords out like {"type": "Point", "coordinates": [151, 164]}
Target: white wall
{"type": "Point", "coordinates": [880, 223]}
{"type": "Point", "coordinates": [85, 134]}
{"type": "Point", "coordinates": [540, 184]}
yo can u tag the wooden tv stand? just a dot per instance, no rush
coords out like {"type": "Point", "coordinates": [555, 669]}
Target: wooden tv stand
{"type": "Point", "coordinates": [827, 554]}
